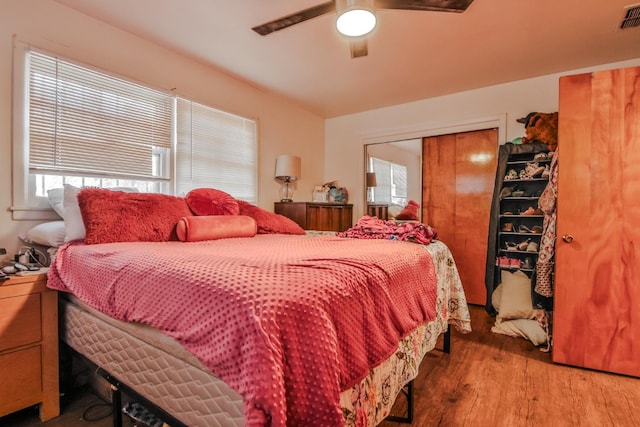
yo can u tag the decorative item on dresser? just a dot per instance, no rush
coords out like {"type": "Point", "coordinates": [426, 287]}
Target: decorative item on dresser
{"type": "Point", "coordinates": [317, 216]}
{"type": "Point", "coordinates": [29, 346]}
{"type": "Point", "coordinates": [288, 169]}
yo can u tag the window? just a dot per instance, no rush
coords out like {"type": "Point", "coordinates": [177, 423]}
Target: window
{"type": "Point", "coordinates": [215, 149]}
{"type": "Point", "coordinates": [391, 182]}
{"type": "Point", "coordinates": [76, 125]}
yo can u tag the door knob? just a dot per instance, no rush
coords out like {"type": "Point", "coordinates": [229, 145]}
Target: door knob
{"type": "Point", "coordinates": [567, 238]}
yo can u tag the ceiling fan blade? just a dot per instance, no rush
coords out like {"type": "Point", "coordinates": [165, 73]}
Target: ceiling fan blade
{"type": "Point", "coordinates": [432, 5]}
{"type": "Point", "coordinates": [358, 48]}
{"type": "Point", "coordinates": [294, 18]}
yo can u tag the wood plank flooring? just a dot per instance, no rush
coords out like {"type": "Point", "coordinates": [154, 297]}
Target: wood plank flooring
{"type": "Point", "coordinates": [487, 380]}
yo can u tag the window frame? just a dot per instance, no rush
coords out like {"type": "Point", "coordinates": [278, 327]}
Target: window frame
{"type": "Point", "coordinates": [26, 204]}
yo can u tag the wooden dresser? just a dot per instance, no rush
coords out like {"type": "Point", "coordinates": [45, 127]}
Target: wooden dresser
{"type": "Point", "coordinates": [317, 216]}
{"type": "Point", "coordinates": [29, 346]}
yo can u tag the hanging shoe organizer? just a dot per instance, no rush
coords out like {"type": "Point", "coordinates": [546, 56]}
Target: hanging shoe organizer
{"type": "Point", "coordinates": [516, 221]}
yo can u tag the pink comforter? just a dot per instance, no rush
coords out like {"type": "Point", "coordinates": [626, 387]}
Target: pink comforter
{"type": "Point", "coordinates": [287, 321]}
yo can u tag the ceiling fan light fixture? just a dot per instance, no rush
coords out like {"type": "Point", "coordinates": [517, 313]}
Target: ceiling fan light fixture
{"type": "Point", "coordinates": [355, 18]}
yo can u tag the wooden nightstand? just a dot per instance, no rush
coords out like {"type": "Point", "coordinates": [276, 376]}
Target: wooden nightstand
{"type": "Point", "coordinates": [29, 346]}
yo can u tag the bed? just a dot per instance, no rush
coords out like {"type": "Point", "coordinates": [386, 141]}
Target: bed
{"type": "Point", "coordinates": [163, 367]}
{"type": "Point", "coordinates": [218, 312]}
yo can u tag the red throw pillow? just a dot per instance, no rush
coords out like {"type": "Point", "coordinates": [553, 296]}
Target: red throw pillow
{"type": "Point", "coordinates": [116, 216]}
{"type": "Point", "coordinates": [213, 227]}
{"type": "Point", "coordinates": [209, 201]}
{"type": "Point", "coordinates": [410, 212]}
{"type": "Point", "coordinates": [269, 222]}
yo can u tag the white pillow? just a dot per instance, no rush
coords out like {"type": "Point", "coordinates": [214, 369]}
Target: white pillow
{"type": "Point", "coordinates": [73, 217]}
{"type": "Point", "coordinates": [56, 198]}
{"type": "Point", "coordinates": [46, 234]}
{"type": "Point", "coordinates": [515, 301]}
{"type": "Point", "coordinates": [525, 328]}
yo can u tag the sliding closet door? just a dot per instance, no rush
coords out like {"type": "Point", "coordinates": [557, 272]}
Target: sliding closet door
{"type": "Point", "coordinates": [597, 293]}
{"type": "Point", "coordinates": [457, 187]}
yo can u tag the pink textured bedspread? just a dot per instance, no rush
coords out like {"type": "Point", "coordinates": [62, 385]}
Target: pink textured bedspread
{"type": "Point", "coordinates": [287, 321]}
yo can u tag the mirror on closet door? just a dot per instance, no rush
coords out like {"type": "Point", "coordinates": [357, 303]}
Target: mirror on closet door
{"type": "Point", "coordinates": [393, 176]}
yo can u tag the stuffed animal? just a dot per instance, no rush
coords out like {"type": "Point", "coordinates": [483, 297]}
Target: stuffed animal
{"type": "Point", "coordinates": [541, 127]}
{"type": "Point", "coordinates": [410, 212]}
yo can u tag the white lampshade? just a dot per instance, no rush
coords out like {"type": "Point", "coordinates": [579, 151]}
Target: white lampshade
{"type": "Point", "coordinates": [355, 17]}
{"type": "Point", "coordinates": [288, 167]}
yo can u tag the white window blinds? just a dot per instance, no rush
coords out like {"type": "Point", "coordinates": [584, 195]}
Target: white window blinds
{"type": "Point", "coordinates": [216, 150]}
{"type": "Point", "coordinates": [82, 122]}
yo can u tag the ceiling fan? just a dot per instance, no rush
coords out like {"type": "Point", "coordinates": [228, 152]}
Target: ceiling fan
{"type": "Point", "coordinates": [366, 9]}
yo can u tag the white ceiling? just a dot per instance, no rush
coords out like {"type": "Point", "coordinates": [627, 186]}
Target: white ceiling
{"type": "Point", "coordinates": [413, 55]}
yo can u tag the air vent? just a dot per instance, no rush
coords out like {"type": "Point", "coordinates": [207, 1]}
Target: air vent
{"type": "Point", "coordinates": [631, 18]}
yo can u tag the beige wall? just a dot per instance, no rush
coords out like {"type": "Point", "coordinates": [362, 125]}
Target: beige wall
{"type": "Point", "coordinates": [495, 106]}
{"type": "Point", "coordinates": [283, 127]}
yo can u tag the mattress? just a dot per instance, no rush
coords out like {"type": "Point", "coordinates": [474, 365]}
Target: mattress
{"type": "Point", "coordinates": [159, 368]}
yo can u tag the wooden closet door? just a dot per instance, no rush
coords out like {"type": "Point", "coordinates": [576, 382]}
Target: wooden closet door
{"type": "Point", "coordinates": [458, 175]}
{"type": "Point", "coordinates": [597, 292]}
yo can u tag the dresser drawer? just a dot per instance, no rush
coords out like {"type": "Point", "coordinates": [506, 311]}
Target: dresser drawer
{"type": "Point", "coordinates": [21, 373]}
{"type": "Point", "coordinates": [20, 320]}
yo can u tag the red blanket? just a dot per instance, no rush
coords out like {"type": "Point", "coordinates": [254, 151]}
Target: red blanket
{"type": "Point", "coordinates": [287, 321]}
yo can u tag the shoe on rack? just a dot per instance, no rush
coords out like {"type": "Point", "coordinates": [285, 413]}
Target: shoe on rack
{"type": "Point", "coordinates": [528, 263]}
{"type": "Point", "coordinates": [524, 175]}
{"type": "Point", "coordinates": [533, 169]}
{"type": "Point", "coordinates": [505, 192]}
{"type": "Point", "coordinates": [529, 211]}
{"type": "Point", "coordinates": [507, 227]}
{"type": "Point", "coordinates": [515, 263]}
{"type": "Point", "coordinates": [532, 247]}
{"type": "Point", "coordinates": [524, 229]}
{"type": "Point", "coordinates": [523, 246]}
{"type": "Point", "coordinates": [511, 246]}
{"type": "Point", "coordinates": [503, 261]}
{"type": "Point", "coordinates": [537, 229]}
{"type": "Point", "coordinates": [546, 172]}
{"type": "Point", "coordinates": [517, 193]}
{"type": "Point", "coordinates": [540, 156]}
{"type": "Point", "coordinates": [512, 174]}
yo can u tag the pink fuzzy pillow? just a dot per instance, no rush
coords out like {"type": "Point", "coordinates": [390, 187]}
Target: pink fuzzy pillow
{"type": "Point", "coordinates": [209, 201]}
{"type": "Point", "coordinates": [116, 216]}
{"type": "Point", "coordinates": [269, 222]}
{"type": "Point", "coordinates": [410, 212]}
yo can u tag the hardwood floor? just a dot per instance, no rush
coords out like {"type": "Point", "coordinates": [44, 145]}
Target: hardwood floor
{"type": "Point", "coordinates": [496, 380]}
{"type": "Point", "coordinates": [487, 380]}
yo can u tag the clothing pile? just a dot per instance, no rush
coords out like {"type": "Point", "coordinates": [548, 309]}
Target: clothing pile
{"type": "Point", "coordinates": [369, 227]}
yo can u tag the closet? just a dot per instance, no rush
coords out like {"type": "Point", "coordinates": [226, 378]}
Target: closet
{"type": "Point", "coordinates": [457, 185]}
{"type": "Point", "coordinates": [597, 288]}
